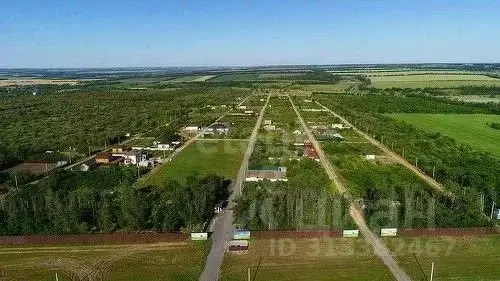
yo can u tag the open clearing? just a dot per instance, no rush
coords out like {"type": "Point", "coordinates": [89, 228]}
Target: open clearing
{"type": "Point", "coordinates": [306, 259]}
{"type": "Point", "coordinates": [333, 88]}
{"type": "Point", "coordinates": [471, 129]}
{"type": "Point", "coordinates": [192, 78]}
{"type": "Point", "coordinates": [475, 98]}
{"type": "Point", "coordinates": [456, 258]}
{"type": "Point", "coordinates": [205, 157]}
{"type": "Point", "coordinates": [29, 82]}
{"type": "Point", "coordinates": [433, 81]}
{"type": "Point", "coordinates": [161, 261]}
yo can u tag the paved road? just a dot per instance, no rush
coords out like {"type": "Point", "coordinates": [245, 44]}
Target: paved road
{"type": "Point", "coordinates": [224, 224]}
{"type": "Point", "coordinates": [393, 155]}
{"type": "Point", "coordinates": [378, 246]}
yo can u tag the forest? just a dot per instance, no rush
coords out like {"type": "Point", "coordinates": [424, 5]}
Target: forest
{"type": "Point", "coordinates": [88, 118]}
{"type": "Point", "coordinates": [106, 200]}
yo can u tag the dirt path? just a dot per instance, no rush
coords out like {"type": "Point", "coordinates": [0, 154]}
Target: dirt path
{"type": "Point", "coordinates": [378, 246]}
{"type": "Point", "coordinates": [397, 158]}
{"type": "Point", "coordinates": [224, 225]}
{"type": "Point", "coordinates": [187, 143]}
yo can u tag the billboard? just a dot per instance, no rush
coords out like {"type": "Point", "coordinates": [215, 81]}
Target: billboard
{"type": "Point", "coordinates": [241, 235]}
{"type": "Point", "coordinates": [389, 232]}
{"type": "Point", "coordinates": [199, 236]}
{"type": "Point", "coordinates": [350, 233]}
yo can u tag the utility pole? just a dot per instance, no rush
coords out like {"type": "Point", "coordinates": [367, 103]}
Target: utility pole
{"type": "Point", "coordinates": [57, 278]}
{"type": "Point", "coordinates": [432, 271]}
{"type": "Point", "coordinates": [403, 152]}
{"type": "Point", "coordinates": [434, 172]}
{"type": "Point", "coordinates": [416, 162]}
{"type": "Point", "coordinates": [492, 210]}
{"type": "Point", "coordinates": [15, 179]}
{"type": "Point", "coordinates": [249, 274]}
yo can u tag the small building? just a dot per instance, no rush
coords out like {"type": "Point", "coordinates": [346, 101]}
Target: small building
{"type": "Point", "coordinates": [193, 129]}
{"type": "Point", "coordinates": [146, 163]}
{"type": "Point", "coordinates": [268, 122]}
{"type": "Point", "coordinates": [104, 158]}
{"type": "Point", "coordinates": [267, 173]}
{"type": "Point", "coordinates": [168, 146]}
{"type": "Point", "coordinates": [308, 100]}
{"type": "Point", "coordinates": [133, 157]}
{"type": "Point", "coordinates": [297, 132]}
{"type": "Point", "coordinates": [370, 156]}
{"type": "Point", "coordinates": [248, 111]}
{"type": "Point", "coordinates": [121, 149]}
{"type": "Point", "coordinates": [310, 151]}
{"type": "Point", "coordinates": [338, 126]}
{"type": "Point", "coordinates": [242, 107]}
{"type": "Point", "coordinates": [270, 127]}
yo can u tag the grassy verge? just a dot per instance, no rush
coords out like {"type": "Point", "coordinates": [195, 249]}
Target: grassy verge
{"type": "Point", "coordinates": [306, 259]}
{"type": "Point", "coordinates": [456, 258]}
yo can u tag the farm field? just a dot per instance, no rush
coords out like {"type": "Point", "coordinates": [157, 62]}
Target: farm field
{"type": "Point", "coordinates": [335, 88]}
{"type": "Point", "coordinates": [205, 157]}
{"type": "Point", "coordinates": [456, 258]}
{"type": "Point", "coordinates": [408, 72]}
{"type": "Point", "coordinates": [236, 77]}
{"type": "Point", "coordinates": [306, 259]}
{"type": "Point", "coordinates": [471, 129]}
{"type": "Point", "coordinates": [191, 78]}
{"type": "Point", "coordinates": [161, 261]}
{"type": "Point", "coordinates": [433, 81]}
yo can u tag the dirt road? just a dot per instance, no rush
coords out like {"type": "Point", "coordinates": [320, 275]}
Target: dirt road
{"type": "Point", "coordinates": [378, 246]}
{"type": "Point", "coordinates": [397, 158]}
{"type": "Point", "coordinates": [224, 225]}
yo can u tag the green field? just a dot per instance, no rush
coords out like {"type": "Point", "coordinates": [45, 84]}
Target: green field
{"type": "Point", "coordinates": [306, 259]}
{"type": "Point", "coordinates": [471, 129]}
{"type": "Point", "coordinates": [455, 258]}
{"type": "Point", "coordinates": [162, 261]}
{"type": "Point", "coordinates": [236, 77]}
{"type": "Point", "coordinates": [433, 81]}
{"type": "Point", "coordinates": [204, 157]}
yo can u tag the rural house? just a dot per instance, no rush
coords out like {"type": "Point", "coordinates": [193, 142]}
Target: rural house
{"type": "Point", "coordinates": [267, 173]}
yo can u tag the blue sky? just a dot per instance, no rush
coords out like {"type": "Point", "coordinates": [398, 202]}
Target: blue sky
{"type": "Point", "coordinates": [104, 33]}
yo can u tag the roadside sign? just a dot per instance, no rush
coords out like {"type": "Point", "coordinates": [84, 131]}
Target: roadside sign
{"type": "Point", "coordinates": [241, 235]}
{"type": "Point", "coordinates": [199, 236]}
{"type": "Point", "coordinates": [350, 233]}
{"type": "Point", "coordinates": [389, 232]}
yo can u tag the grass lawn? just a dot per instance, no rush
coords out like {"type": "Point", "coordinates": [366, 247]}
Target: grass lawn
{"type": "Point", "coordinates": [456, 258]}
{"type": "Point", "coordinates": [162, 261]}
{"type": "Point", "coordinates": [306, 259]}
{"type": "Point", "coordinates": [433, 81]}
{"type": "Point", "coordinates": [471, 129]}
{"type": "Point", "coordinates": [204, 157]}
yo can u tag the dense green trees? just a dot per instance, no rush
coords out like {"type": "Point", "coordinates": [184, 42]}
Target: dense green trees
{"type": "Point", "coordinates": [105, 200]}
{"type": "Point", "coordinates": [474, 177]}
{"type": "Point", "coordinates": [89, 116]}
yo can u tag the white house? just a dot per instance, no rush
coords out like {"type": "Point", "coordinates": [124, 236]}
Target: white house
{"type": "Point", "coordinates": [242, 107]}
{"type": "Point", "coordinates": [268, 122]}
{"type": "Point", "coordinates": [270, 127]}
{"type": "Point", "coordinates": [370, 157]}
{"type": "Point", "coordinates": [248, 111]}
{"type": "Point", "coordinates": [192, 128]}
{"type": "Point", "coordinates": [133, 157]}
{"type": "Point", "coordinates": [337, 126]}
{"type": "Point", "coordinates": [273, 175]}
{"type": "Point", "coordinates": [297, 132]}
